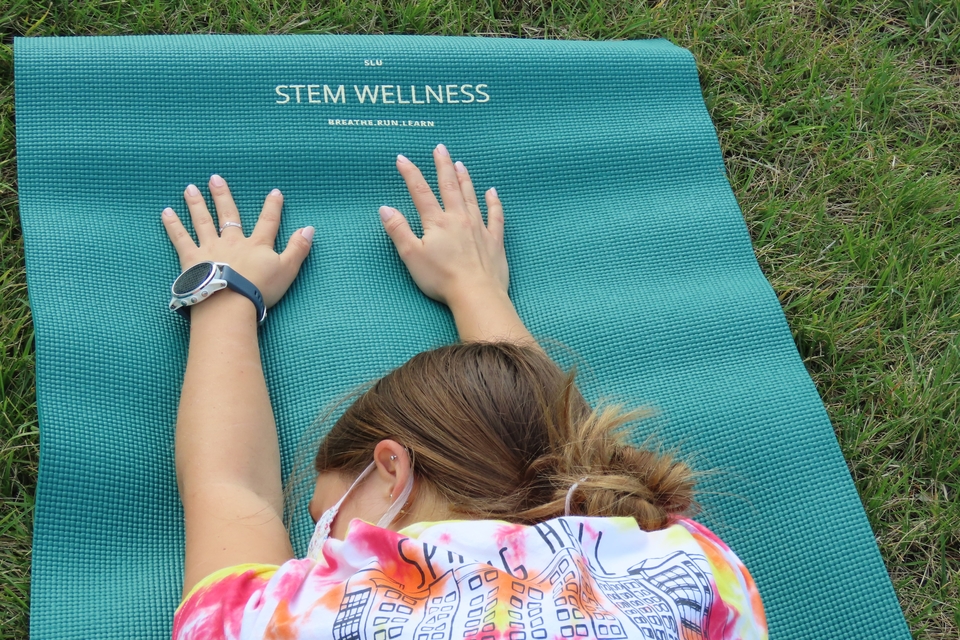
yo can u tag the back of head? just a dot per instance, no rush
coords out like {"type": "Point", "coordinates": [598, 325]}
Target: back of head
{"type": "Point", "coordinates": [500, 432]}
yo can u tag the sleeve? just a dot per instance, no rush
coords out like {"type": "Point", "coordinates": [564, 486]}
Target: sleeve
{"type": "Point", "coordinates": [216, 605]}
{"type": "Point", "coordinates": [737, 612]}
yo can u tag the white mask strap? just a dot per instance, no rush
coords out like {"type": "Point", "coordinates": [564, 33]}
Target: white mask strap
{"type": "Point", "coordinates": [573, 487]}
{"type": "Point", "coordinates": [397, 505]}
{"type": "Point", "coordinates": [363, 475]}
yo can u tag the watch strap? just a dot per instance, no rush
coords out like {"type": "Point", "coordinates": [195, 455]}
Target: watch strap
{"type": "Point", "coordinates": [238, 283]}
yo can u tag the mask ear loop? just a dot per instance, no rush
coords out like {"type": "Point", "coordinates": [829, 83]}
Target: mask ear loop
{"type": "Point", "coordinates": [321, 531]}
{"type": "Point", "coordinates": [363, 475]}
{"type": "Point", "coordinates": [397, 505]}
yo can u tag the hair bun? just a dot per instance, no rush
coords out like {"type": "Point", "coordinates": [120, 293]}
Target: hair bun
{"type": "Point", "coordinates": [634, 483]}
{"type": "Point", "coordinates": [592, 472]}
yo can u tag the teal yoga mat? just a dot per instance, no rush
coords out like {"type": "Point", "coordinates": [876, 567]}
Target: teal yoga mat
{"type": "Point", "coordinates": [624, 238]}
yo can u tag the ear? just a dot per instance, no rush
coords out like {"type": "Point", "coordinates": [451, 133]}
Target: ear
{"type": "Point", "coordinates": [393, 466]}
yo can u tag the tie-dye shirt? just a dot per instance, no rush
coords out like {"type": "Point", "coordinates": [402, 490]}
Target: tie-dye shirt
{"type": "Point", "coordinates": [569, 577]}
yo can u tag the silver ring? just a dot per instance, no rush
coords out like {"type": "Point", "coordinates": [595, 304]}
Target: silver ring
{"type": "Point", "coordinates": [231, 224]}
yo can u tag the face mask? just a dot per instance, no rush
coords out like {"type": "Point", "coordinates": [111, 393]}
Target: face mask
{"type": "Point", "coordinates": [322, 531]}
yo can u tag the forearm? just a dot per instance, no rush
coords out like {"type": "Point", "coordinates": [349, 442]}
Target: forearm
{"type": "Point", "coordinates": [226, 431]}
{"type": "Point", "coordinates": [488, 314]}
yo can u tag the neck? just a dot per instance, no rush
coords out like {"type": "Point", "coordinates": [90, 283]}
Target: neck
{"type": "Point", "coordinates": [424, 506]}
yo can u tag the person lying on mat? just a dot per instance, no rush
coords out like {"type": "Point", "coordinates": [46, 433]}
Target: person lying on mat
{"type": "Point", "coordinates": [471, 492]}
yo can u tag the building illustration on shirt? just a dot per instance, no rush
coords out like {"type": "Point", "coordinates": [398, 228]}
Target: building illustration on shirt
{"type": "Point", "coordinates": [665, 598]}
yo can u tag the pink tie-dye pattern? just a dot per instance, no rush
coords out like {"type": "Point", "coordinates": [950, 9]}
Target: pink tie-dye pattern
{"type": "Point", "coordinates": [722, 621]}
{"type": "Point", "coordinates": [216, 610]}
{"type": "Point", "coordinates": [702, 530]}
{"type": "Point", "coordinates": [729, 571]}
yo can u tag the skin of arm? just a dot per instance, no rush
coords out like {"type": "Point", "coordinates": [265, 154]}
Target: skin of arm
{"type": "Point", "coordinates": [227, 450]}
{"type": "Point", "coordinates": [486, 315]}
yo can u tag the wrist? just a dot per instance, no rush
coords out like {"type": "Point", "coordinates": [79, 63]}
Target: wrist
{"type": "Point", "coordinates": [216, 284]}
{"type": "Point", "coordinates": [467, 298]}
{"type": "Point", "coordinates": [225, 306]}
{"type": "Point", "coordinates": [486, 313]}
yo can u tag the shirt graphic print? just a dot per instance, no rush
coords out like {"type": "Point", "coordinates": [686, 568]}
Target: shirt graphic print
{"type": "Point", "coordinates": [569, 577]}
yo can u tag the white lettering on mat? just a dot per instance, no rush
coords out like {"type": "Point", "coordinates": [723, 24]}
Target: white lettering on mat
{"type": "Point", "coordinates": [360, 122]}
{"type": "Point", "coordinates": [384, 93]}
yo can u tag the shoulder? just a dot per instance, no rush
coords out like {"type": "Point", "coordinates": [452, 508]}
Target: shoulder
{"type": "Point", "coordinates": [723, 561]}
{"type": "Point", "coordinates": [738, 611]}
{"type": "Point", "coordinates": [231, 598]}
{"type": "Point", "coordinates": [253, 599]}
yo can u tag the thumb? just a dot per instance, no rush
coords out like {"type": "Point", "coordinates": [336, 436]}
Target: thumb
{"type": "Point", "coordinates": [297, 249]}
{"type": "Point", "coordinates": [396, 226]}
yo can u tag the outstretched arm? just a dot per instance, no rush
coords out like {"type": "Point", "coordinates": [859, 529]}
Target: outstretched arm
{"type": "Point", "coordinates": [459, 261]}
{"type": "Point", "coordinates": [227, 454]}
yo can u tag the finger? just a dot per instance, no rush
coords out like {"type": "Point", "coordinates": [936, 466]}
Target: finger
{"type": "Point", "coordinates": [296, 251]}
{"type": "Point", "coordinates": [448, 182]}
{"type": "Point", "coordinates": [421, 192]}
{"type": "Point", "coordinates": [202, 220]}
{"type": "Point", "coordinates": [494, 214]}
{"type": "Point", "coordinates": [226, 208]}
{"type": "Point", "coordinates": [179, 236]}
{"type": "Point", "coordinates": [469, 195]}
{"type": "Point", "coordinates": [269, 222]}
{"type": "Point", "coordinates": [396, 226]}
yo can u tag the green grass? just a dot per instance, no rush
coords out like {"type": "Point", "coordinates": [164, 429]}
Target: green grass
{"type": "Point", "coordinates": [840, 128]}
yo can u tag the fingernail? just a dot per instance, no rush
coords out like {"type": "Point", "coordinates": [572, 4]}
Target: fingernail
{"type": "Point", "coordinates": [443, 150]}
{"type": "Point", "coordinates": [275, 192]}
{"type": "Point", "coordinates": [386, 213]}
{"type": "Point", "coordinates": [192, 190]}
{"type": "Point", "coordinates": [168, 211]}
{"type": "Point", "coordinates": [459, 167]}
{"type": "Point", "coordinates": [493, 190]}
{"type": "Point", "coordinates": [402, 158]}
{"type": "Point", "coordinates": [216, 180]}
{"type": "Point", "coordinates": [307, 232]}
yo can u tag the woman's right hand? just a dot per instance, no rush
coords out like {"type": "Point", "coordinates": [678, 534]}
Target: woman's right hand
{"type": "Point", "coordinates": [457, 252]}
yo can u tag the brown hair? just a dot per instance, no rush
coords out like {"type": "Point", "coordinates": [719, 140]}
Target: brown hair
{"type": "Point", "coordinates": [501, 432]}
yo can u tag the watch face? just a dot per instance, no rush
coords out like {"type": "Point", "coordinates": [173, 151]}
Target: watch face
{"type": "Point", "coordinates": [193, 278]}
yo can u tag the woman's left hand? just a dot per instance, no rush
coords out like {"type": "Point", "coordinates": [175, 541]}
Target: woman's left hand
{"type": "Point", "coordinates": [252, 257]}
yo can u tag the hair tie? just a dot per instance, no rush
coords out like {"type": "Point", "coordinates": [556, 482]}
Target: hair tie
{"type": "Point", "coordinates": [573, 487]}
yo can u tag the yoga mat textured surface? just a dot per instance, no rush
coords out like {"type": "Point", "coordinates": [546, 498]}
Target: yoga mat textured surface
{"type": "Point", "coordinates": [624, 238]}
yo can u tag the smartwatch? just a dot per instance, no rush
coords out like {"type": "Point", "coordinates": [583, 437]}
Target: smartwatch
{"type": "Point", "coordinates": [200, 281]}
